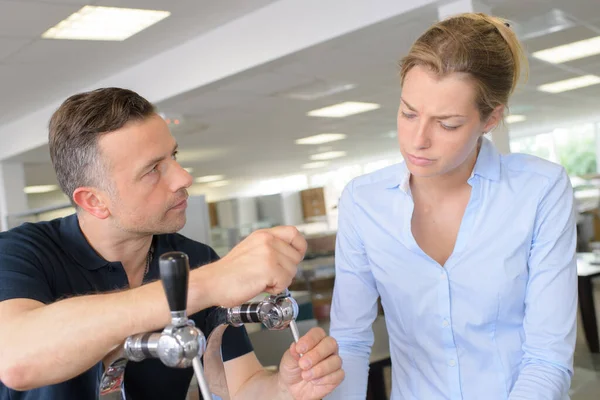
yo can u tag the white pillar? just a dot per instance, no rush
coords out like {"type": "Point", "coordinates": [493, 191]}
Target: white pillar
{"type": "Point", "coordinates": [597, 135]}
{"type": "Point", "coordinates": [12, 191]}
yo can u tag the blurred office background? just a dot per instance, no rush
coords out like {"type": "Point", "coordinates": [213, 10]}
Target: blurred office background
{"type": "Point", "coordinates": [277, 104]}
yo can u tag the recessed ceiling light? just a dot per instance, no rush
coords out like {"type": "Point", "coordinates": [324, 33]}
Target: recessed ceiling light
{"type": "Point", "coordinates": [515, 118]}
{"type": "Point", "coordinates": [218, 184]}
{"type": "Point", "coordinates": [571, 51]}
{"type": "Point", "coordinates": [104, 23]}
{"type": "Point", "coordinates": [318, 90]}
{"type": "Point", "coordinates": [343, 109]}
{"type": "Point", "coordinates": [321, 138]}
{"type": "Point", "coordinates": [328, 155]}
{"type": "Point", "coordinates": [316, 164]}
{"type": "Point", "coordinates": [209, 178]}
{"type": "Point", "coordinates": [570, 84]}
{"type": "Point", "coordinates": [40, 189]}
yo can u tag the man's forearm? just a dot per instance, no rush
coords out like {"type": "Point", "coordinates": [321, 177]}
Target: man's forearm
{"type": "Point", "coordinates": [54, 343]}
{"type": "Point", "coordinates": [263, 385]}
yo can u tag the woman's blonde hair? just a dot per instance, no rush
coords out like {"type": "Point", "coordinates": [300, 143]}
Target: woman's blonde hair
{"type": "Point", "coordinates": [482, 46]}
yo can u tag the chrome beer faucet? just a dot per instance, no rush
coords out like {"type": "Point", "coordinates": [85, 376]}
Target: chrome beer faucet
{"type": "Point", "coordinates": [182, 345]}
{"type": "Point", "coordinates": [179, 345]}
{"type": "Point", "coordinates": [275, 312]}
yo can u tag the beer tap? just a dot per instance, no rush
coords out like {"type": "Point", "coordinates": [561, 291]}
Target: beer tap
{"type": "Point", "coordinates": [275, 312]}
{"type": "Point", "coordinates": [182, 345]}
{"type": "Point", "coordinates": [179, 345]}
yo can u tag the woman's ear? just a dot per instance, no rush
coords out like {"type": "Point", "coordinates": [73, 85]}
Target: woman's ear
{"type": "Point", "coordinates": [494, 119]}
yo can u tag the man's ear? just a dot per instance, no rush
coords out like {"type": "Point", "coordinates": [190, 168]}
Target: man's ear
{"type": "Point", "coordinates": [494, 119]}
{"type": "Point", "coordinates": [92, 200]}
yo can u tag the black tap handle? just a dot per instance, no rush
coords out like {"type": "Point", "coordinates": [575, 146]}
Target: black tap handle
{"type": "Point", "coordinates": [174, 273]}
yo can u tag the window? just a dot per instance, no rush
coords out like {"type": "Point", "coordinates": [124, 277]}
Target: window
{"type": "Point", "coordinates": [541, 145]}
{"type": "Point", "coordinates": [574, 148]}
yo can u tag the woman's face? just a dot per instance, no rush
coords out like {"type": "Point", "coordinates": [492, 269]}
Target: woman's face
{"type": "Point", "coordinates": [438, 122]}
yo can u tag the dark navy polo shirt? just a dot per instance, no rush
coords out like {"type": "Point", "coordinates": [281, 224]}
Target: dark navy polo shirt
{"type": "Point", "coordinates": [51, 260]}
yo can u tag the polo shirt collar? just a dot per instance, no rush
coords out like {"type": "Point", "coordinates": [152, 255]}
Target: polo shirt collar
{"type": "Point", "coordinates": [77, 246]}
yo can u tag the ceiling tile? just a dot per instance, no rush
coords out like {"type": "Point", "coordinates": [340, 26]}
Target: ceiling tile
{"type": "Point", "coordinates": [60, 52]}
{"type": "Point", "coordinates": [10, 46]}
{"type": "Point", "coordinates": [559, 38]}
{"type": "Point", "coordinates": [20, 19]}
{"type": "Point", "coordinates": [217, 11]}
{"type": "Point", "coordinates": [587, 64]}
{"type": "Point", "coordinates": [549, 75]}
{"type": "Point", "coordinates": [51, 69]}
{"type": "Point", "coordinates": [79, 2]}
{"type": "Point", "coordinates": [585, 10]}
{"type": "Point", "coordinates": [238, 118]}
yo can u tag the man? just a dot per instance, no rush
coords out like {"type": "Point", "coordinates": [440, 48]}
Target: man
{"type": "Point", "coordinates": [72, 289]}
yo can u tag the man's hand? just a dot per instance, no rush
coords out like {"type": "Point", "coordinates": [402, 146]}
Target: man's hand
{"type": "Point", "coordinates": [317, 372]}
{"type": "Point", "coordinates": [266, 261]}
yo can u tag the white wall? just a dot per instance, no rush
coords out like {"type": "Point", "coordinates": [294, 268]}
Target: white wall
{"type": "Point", "coordinates": [12, 197]}
{"type": "Point", "coordinates": [42, 200]}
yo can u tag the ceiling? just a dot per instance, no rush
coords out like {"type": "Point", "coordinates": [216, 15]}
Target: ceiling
{"type": "Point", "coordinates": [35, 71]}
{"type": "Point", "coordinates": [244, 126]}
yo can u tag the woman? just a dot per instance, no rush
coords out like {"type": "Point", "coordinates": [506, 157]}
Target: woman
{"type": "Point", "coordinates": [471, 252]}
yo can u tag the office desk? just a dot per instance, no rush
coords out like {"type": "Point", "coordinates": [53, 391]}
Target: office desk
{"type": "Point", "coordinates": [588, 268]}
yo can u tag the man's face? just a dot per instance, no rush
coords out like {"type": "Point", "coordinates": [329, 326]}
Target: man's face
{"type": "Point", "coordinates": [148, 185]}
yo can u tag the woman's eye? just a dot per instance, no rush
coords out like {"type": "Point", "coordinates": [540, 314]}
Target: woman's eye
{"type": "Point", "coordinates": [408, 116]}
{"type": "Point", "coordinates": [449, 128]}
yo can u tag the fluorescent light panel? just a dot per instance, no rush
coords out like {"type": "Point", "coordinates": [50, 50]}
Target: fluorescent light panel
{"type": "Point", "coordinates": [321, 138]}
{"type": "Point", "coordinates": [343, 109]}
{"type": "Point", "coordinates": [571, 51]}
{"type": "Point", "coordinates": [515, 118]}
{"type": "Point", "coordinates": [218, 184]}
{"type": "Point", "coordinates": [209, 178]}
{"type": "Point", "coordinates": [40, 189]}
{"type": "Point", "coordinates": [104, 23]}
{"type": "Point", "coordinates": [329, 155]}
{"type": "Point", "coordinates": [316, 164]}
{"type": "Point", "coordinates": [570, 84]}
{"type": "Point", "coordinates": [320, 90]}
